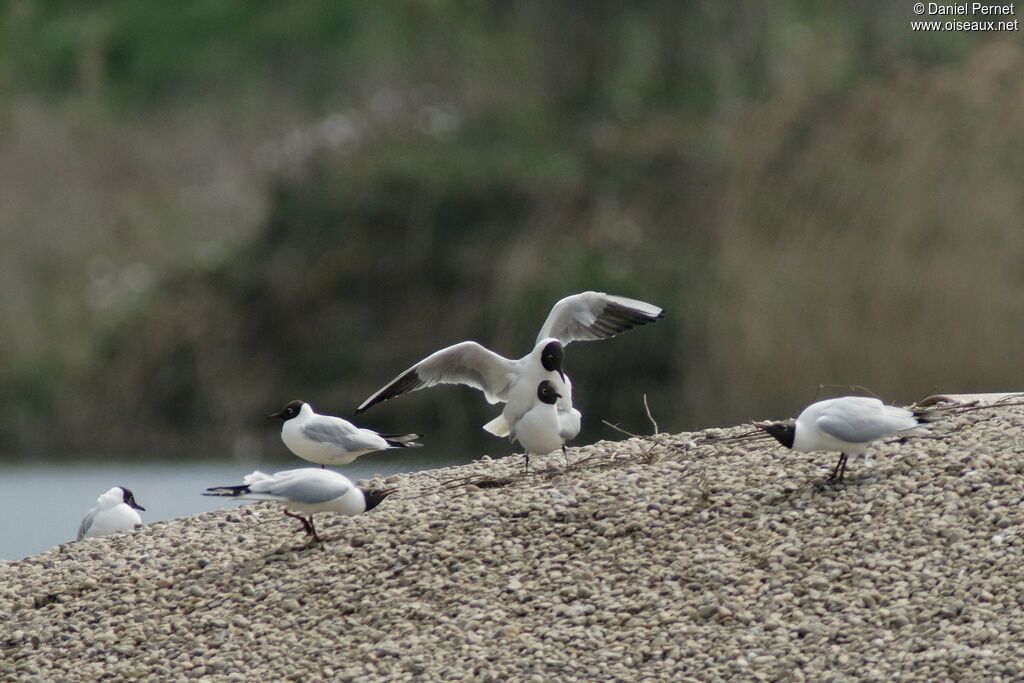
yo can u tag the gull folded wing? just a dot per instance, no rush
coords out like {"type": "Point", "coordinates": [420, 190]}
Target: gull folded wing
{"type": "Point", "coordinates": [865, 421]}
{"type": "Point", "coordinates": [342, 434]}
{"type": "Point", "coordinates": [83, 528]}
{"type": "Point", "coordinates": [307, 486]}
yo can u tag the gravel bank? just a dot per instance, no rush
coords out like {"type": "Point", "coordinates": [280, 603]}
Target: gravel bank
{"type": "Point", "coordinates": [702, 556]}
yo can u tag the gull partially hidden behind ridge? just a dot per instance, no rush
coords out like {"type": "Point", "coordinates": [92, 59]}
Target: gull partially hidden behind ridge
{"type": "Point", "coordinates": [544, 428]}
{"type": "Point", "coordinates": [581, 317]}
{"type": "Point", "coordinates": [115, 511]}
{"type": "Point", "coordinates": [306, 491]}
{"type": "Point", "coordinates": [329, 440]}
{"type": "Point", "coordinates": [848, 424]}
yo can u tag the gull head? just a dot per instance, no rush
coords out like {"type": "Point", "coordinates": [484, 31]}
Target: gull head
{"type": "Point", "coordinates": [375, 498]}
{"type": "Point", "coordinates": [288, 412]}
{"type": "Point", "coordinates": [129, 499]}
{"type": "Point", "coordinates": [552, 356]}
{"type": "Point", "coordinates": [547, 393]}
{"type": "Point", "coordinates": [783, 432]}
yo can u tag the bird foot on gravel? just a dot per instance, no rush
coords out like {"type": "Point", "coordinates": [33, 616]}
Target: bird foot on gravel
{"type": "Point", "coordinates": [828, 485]}
{"type": "Point", "coordinates": [307, 526]}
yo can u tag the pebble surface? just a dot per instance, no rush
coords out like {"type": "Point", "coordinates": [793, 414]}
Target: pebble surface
{"type": "Point", "coordinates": [714, 555]}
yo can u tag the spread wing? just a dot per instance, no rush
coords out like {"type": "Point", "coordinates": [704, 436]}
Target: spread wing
{"type": "Point", "coordinates": [864, 420]}
{"type": "Point", "coordinates": [466, 363]}
{"type": "Point", "coordinates": [307, 485]}
{"type": "Point", "coordinates": [596, 315]}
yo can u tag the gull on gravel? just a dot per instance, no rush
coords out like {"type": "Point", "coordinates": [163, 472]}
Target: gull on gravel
{"type": "Point", "coordinates": [328, 440]}
{"type": "Point", "coordinates": [848, 424]}
{"type": "Point", "coordinates": [544, 428]}
{"type": "Point", "coordinates": [115, 511]}
{"type": "Point", "coordinates": [306, 491]}
{"type": "Point", "coordinates": [581, 317]}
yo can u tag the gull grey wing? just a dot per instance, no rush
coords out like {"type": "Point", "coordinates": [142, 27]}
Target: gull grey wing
{"type": "Point", "coordinates": [512, 421]}
{"type": "Point", "coordinates": [301, 487]}
{"type": "Point", "coordinates": [83, 528]}
{"type": "Point", "coordinates": [860, 426]}
{"type": "Point", "coordinates": [465, 363]}
{"type": "Point", "coordinates": [338, 433]}
{"type": "Point", "coordinates": [513, 424]}
{"type": "Point", "coordinates": [595, 315]}
{"type": "Point", "coordinates": [569, 424]}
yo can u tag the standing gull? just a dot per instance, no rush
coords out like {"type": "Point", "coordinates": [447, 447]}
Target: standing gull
{"type": "Point", "coordinates": [580, 317]}
{"type": "Point", "coordinates": [115, 511]}
{"type": "Point", "coordinates": [328, 440]}
{"type": "Point", "coordinates": [306, 490]}
{"type": "Point", "coordinates": [544, 427]}
{"type": "Point", "coordinates": [848, 424]}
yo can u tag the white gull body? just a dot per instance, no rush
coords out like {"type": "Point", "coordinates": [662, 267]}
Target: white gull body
{"type": "Point", "coordinates": [305, 491]}
{"type": "Point", "coordinates": [544, 427]}
{"type": "Point", "coordinates": [329, 440]}
{"type": "Point", "coordinates": [849, 424]}
{"type": "Point", "coordinates": [111, 515]}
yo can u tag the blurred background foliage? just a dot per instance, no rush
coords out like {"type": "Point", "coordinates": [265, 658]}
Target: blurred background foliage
{"type": "Point", "coordinates": [213, 207]}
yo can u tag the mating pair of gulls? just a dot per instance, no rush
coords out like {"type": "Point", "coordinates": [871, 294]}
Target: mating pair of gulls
{"type": "Point", "coordinates": [538, 412]}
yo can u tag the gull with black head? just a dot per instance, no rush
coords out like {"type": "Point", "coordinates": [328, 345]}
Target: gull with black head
{"type": "Point", "coordinates": [116, 510]}
{"type": "Point", "coordinates": [304, 492]}
{"type": "Point", "coordinates": [544, 428]}
{"type": "Point", "coordinates": [581, 317]}
{"type": "Point", "coordinates": [848, 424]}
{"type": "Point", "coordinates": [329, 440]}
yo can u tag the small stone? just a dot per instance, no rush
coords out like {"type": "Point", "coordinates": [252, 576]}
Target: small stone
{"type": "Point", "coordinates": [951, 608]}
{"type": "Point", "coordinates": [899, 620]}
{"type": "Point", "coordinates": [707, 611]}
{"type": "Point", "coordinates": [808, 627]}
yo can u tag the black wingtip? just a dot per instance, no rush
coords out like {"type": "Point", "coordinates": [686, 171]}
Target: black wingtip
{"type": "Point", "coordinates": [925, 416]}
{"type": "Point", "coordinates": [617, 319]}
{"type": "Point", "coordinates": [407, 382]}
{"type": "Point", "coordinates": [403, 440]}
{"type": "Point", "coordinates": [227, 491]}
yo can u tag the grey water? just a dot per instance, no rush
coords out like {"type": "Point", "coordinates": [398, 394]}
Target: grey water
{"type": "Point", "coordinates": [42, 505]}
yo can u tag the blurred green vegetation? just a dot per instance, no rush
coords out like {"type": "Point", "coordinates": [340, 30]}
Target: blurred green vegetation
{"type": "Point", "coordinates": [219, 206]}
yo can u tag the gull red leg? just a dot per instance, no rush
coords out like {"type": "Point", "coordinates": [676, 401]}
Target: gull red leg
{"type": "Point", "coordinates": [307, 525]}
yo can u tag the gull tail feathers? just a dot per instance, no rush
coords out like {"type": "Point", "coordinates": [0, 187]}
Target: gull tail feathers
{"type": "Point", "coordinates": [923, 418]}
{"type": "Point", "coordinates": [498, 426]}
{"type": "Point", "coordinates": [402, 440]}
{"type": "Point", "coordinates": [228, 491]}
